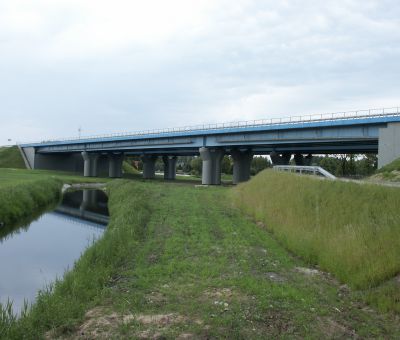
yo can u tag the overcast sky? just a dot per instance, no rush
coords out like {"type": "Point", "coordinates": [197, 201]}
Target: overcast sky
{"type": "Point", "coordinates": [114, 66]}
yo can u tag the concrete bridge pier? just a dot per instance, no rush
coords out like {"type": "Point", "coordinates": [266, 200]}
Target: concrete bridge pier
{"type": "Point", "coordinates": [90, 164]}
{"type": "Point", "coordinates": [241, 165]}
{"type": "Point", "coordinates": [169, 167]}
{"type": "Point", "coordinates": [149, 166]}
{"type": "Point", "coordinates": [301, 160]}
{"type": "Point", "coordinates": [282, 159]}
{"type": "Point", "coordinates": [115, 165]}
{"type": "Point", "coordinates": [212, 158]}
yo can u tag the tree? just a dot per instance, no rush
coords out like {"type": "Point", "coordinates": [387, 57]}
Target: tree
{"type": "Point", "coordinates": [227, 165]}
{"type": "Point", "coordinates": [259, 163]}
{"type": "Point", "coordinates": [196, 164]}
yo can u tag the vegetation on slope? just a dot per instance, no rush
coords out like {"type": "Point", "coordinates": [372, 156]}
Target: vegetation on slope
{"type": "Point", "coordinates": [393, 166]}
{"type": "Point", "coordinates": [24, 194]}
{"type": "Point", "coordinates": [390, 172]}
{"type": "Point", "coordinates": [19, 201]}
{"type": "Point", "coordinates": [129, 169]}
{"type": "Point", "coordinates": [351, 230]}
{"type": "Point", "coordinates": [10, 157]}
{"type": "Point", "coordinates": [179, 261]}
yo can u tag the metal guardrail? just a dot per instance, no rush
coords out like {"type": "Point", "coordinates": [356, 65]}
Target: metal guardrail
{"type": "Point", "coordinates": [315, 170]}
{"type": "Point", "coordinates": [359, 114]}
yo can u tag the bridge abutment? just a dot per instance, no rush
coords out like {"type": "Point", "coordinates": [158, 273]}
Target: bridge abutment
{"type": "Point", "coordinates": [169, 167]}
{"type": "Point", "coordinates": [388, 144]}
{"type": "Point", "coordinates": [280, 159]}
{"type": "Point", "coordinates": [211, 173]}
{"type": "Point", "coordinates": [241, 165]}
{"type": "Point", "coordinates": [115, 165]}
{"type": "Point", "coordinates": [90, 164]}
{"type": "Point", "coordinates": [149, 166]}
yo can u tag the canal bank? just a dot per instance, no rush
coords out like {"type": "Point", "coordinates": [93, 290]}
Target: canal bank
{"type": "Point", "coordinates": [41, 250]}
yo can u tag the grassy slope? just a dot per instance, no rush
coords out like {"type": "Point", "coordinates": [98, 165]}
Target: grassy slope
{"type": "Point", "coordinates": [181, 261]}
{"type": "Point", "coordinates": [129, 169]}
{"type": "Point", "coordinates": [348, 229]}
{"type": "Point", "coordinates": [10, 157]}
{"type": "Point", "coordinates": [25, 193]}
{"type": "Point", "coordinates": [390, 172]}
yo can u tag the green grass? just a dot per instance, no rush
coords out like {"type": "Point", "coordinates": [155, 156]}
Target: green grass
{"type": "Point", "coordinates": [10, 157]}
{"type": "Point", "coordinates": [348, 229]}
{"type": "Point", "coordinates": [25, 193]}
{"type": "Point", "coordinates": [129, 169]}
{"type": "Point", "coordinates": [390, 172]}
{"type": "Point", "coordinates": [393, 166]}
{"type": "Point", "coordinates": [189, 255]}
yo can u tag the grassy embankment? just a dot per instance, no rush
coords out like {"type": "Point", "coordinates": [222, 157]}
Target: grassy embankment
{"type": "Point", "coordinates": [24, 194]}
{"type": "Point", "coordinates": [10, 157]}
{"type": "Point", "coordinates": [390, 172]}
{"type": "Point", "coordinates": [179, 261]}
{"type": "Point", "coordinates": [348, 229]}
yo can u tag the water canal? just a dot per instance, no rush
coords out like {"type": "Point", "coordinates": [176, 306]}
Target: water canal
{"type": "Point", "coordinates": [34, 255]}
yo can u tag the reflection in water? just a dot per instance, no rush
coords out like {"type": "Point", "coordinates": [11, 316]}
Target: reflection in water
{"type": "Point", "coordinates": [34, 255]}
{"type": "Point", "coordinates": [88, 205]}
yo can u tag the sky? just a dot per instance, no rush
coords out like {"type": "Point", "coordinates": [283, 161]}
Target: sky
{"type": "Point", "coordinates": [122, 66]}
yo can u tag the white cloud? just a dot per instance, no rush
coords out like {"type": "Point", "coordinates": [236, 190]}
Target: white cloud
{"type": "Point", "coordinates": [126, 65]}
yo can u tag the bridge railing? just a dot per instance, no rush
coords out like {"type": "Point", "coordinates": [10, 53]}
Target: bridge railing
{"type": "Point", "coordinates": [359, 114]}
{"type": "Point", "coordinates": [315, 170]}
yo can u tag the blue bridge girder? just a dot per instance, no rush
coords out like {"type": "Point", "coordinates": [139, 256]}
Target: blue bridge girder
{"type": "Point", "coordinates": [334, 136]}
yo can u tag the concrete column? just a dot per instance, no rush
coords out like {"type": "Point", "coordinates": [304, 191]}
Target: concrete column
{"type": "Point", "coordinates": [241, 165]}
{"type": "Point", "coordinates": [299, 159]}
{"type": "Point", "coordinates": [282, 159]}
{"type": "Point", "coordinates": [149, 166]}
{"type": "Point", "coordinates": [308, 159]}
{"type": "Point", "coordinates": [169, 167]}
{"type": "Point", "coordinates": [90, 164]}
{"type": "Point", "coordinates": [212, 158]}
{"type": "Point", "coordinates": [388, 144]}
{"type": "Point", "coordinates": [115, 165]}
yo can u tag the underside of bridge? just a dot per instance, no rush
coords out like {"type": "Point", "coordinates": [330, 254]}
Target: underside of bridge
{"type": "Point", "coordinates": [95, 158]}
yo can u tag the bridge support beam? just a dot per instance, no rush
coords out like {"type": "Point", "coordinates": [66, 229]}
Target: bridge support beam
{"type": "Point", "coordinates": [389, 144]}
{"type": "Point", "coordinates": [149, 166]}
{"type": "Point", "coordinates": [282, 159]}
{"type": "Point", "coordinates": [241, 165]}
{"type": "Point", "coordinates": [169, 167]}
{"type": "Point", "coordinates": [211, 174]}
{"type": "Point", "coordinates": [115, 165]}
{"type": "Point", "coordinates": [90, 164]}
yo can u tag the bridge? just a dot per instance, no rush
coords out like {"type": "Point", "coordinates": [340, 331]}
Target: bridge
{"type": "Point", "coordinates": [364, 131]}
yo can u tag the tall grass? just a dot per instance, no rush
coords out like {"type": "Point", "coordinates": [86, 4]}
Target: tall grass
{"type": "Point", "coordinates": [348, 229]}
{"type": "Point", "coordinates": [18, 201]}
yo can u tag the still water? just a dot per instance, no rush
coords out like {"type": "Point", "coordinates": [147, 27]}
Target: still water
{"type": "Point", "coordinates": [33, 256]}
